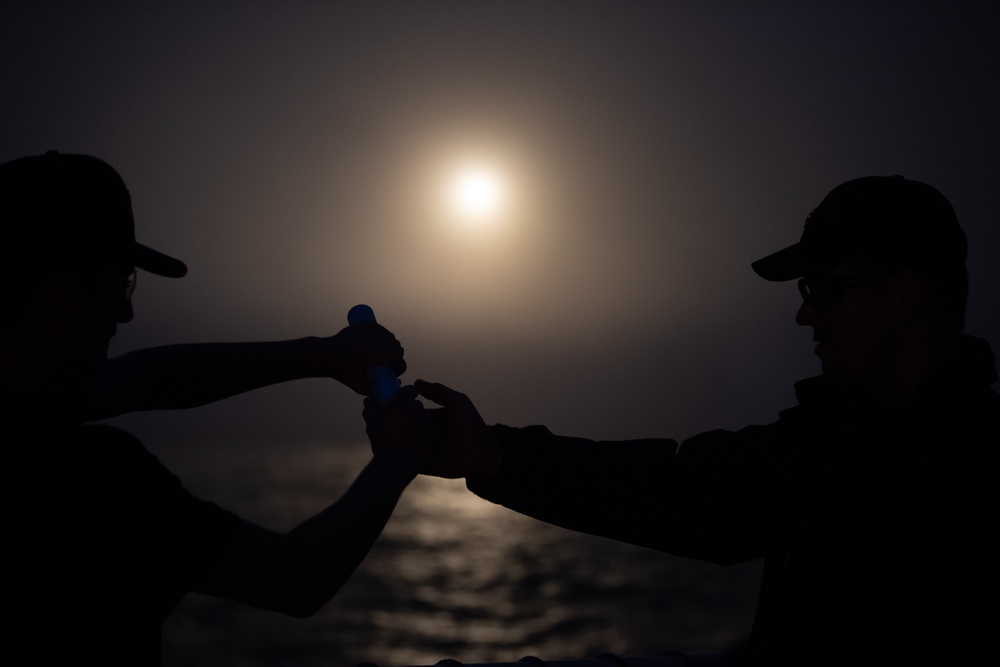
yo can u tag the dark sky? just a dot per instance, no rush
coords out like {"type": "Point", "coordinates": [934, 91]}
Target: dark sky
{"type": "Point", "coordinates": [293, 155]}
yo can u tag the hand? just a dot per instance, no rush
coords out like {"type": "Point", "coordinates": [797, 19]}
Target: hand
{"type": "Point", "coordinates": [470, 449]}
{"type": "Point", "coordinates": [402, 433]}
{"type": "Point", "coordinates": [357, 348]}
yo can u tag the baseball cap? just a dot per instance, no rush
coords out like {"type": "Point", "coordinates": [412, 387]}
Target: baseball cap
{"type": "Point", "coordinates": [878, 222]}
{"type": "Point", "coordinates": [63, 207]}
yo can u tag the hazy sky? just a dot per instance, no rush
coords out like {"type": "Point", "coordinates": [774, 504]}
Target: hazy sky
{"type": "Point", "coordinates": [296, 155]}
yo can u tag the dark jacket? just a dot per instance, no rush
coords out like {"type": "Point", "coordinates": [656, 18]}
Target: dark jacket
{"type": "Point", "coordinates": [878, 530]}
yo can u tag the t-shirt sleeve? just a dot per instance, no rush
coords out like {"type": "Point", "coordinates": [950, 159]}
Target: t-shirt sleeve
{"type": "Point", "coordinates": [165, 539]}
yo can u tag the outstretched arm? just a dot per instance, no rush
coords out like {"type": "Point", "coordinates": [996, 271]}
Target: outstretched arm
{"type": "Point", "coordinates": [189, 375]}
{"type": "Point", "coordinates": [296, 573]}
{"type": "Point", "coordinates": [709, 503]}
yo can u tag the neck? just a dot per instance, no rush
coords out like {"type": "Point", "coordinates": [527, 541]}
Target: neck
{"type": "Point", "coordinates": [904, 366]}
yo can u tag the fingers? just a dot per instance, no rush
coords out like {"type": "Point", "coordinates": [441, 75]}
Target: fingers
{"type": "Point", "coordinates": [399, 366]}
{"type": "Point", "coordinates": [440, 394]}
{"type": "Point", "coordinates": [370, 333]}
{"type": "Point", "coordinates": [392, 349]}
{"type": "Point", "coordinates": [371, 416]}
{"type": "Point", "coordinates": [406, 393]}
{"type": "Point", "coordinates": [405, 398]}
{"type": "Point", "coordinates": [400, 412]}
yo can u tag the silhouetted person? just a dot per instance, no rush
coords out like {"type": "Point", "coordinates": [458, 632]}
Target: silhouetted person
{"type": "Point", "coordinates": [100, 542]}
{"type": "Point", "coordinates": [874, 501]}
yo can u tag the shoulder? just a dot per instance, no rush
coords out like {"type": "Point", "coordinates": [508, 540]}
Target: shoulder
{"type": "Point", "coordinates": [102, 440]}
{"type": "Point", "coordinates": [972, 436]}
{"type": "Point", "coordinates": [750, 444]}
{"type": "Point", "coordinates": [115, 471]}
{"type": "Point", "coordinates": [117, 457]}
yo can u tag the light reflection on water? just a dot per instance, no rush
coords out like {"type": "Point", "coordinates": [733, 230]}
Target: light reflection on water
{"type": "Point", "coordinates": [452, 576]}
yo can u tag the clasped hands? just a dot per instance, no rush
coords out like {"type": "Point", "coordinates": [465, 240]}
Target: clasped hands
{"type": "Point", "coordinates": [450, 440]}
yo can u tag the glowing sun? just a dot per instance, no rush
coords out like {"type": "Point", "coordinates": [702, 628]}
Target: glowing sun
{"type": "Point", "coordinates": [476, 194]}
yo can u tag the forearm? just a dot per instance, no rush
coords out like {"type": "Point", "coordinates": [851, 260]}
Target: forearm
{"type": "Point", "coordinates": [577, 483]}
{"type": "Point", "coordinates": [296, 573]}
{"type": "Point", "coordinates": [332, 544]}
{"type": "Point", "coordinates": [190, 375]}
{"type": "Point", "coordinates": [637, 491]}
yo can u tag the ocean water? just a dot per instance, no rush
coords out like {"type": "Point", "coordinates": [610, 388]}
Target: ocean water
{"type": "Point", "coordinates": [452, 576]}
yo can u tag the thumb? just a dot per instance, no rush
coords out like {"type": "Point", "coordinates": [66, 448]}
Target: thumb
{"type": "Point", "coordinates": [404, 394]}
{"type": "Point", "coordinates": [439, 393]}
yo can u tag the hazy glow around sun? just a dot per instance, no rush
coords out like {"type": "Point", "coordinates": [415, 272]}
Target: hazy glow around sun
{"type": "Point", "coordinates": [476, 194]}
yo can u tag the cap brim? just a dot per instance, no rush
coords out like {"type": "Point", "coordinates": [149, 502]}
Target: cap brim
{"type": "Point", "coordinates": [154, 261]}
{"type": "Point", "coordinates": [787, 264]}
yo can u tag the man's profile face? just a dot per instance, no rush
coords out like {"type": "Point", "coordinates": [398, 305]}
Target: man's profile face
{"type": "Point", "coordinates": [852, 327]}
{"type": "Point", "coordinates": [97, 305]}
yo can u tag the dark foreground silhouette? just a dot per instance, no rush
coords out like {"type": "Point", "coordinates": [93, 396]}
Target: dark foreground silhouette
{"type": "Point", "coordinates": [873, 501]}
{"type": "Point", "coordinates": [100, 540]}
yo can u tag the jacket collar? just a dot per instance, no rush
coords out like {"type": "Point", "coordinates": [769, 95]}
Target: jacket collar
{"type": "Point", "coordinates": [972, 366]}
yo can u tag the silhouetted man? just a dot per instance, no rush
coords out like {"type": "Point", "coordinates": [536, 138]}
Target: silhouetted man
{"type": "Point", "coordinates": [100, 542]}
{"type": "Point", "coordinates": [874, 501]}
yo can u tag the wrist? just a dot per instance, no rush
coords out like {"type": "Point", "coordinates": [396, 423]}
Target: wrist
{"type": "Point", "coordinates": [492, 459]}
{"type": "Point", "coordinates": [319, 356]}
{"type": "Point", "coordinates": [393, 470]}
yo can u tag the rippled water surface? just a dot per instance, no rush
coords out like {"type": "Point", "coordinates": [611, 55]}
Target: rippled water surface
{"type": "Point", "coordinates": [451, 577]}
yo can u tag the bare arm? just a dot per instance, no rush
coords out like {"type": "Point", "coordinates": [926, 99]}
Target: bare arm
{"type": "Point", "coordinates": [297, 572]}
{"type": "Point", "coordinates": [189, 375]}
